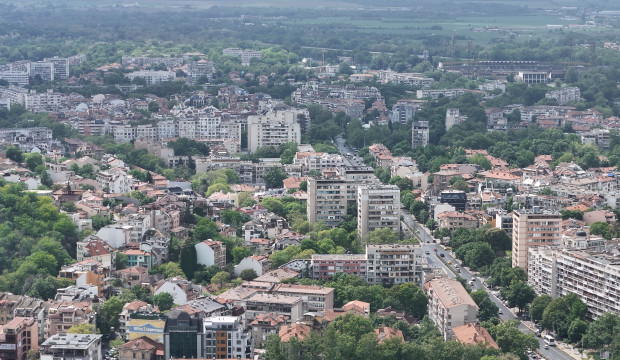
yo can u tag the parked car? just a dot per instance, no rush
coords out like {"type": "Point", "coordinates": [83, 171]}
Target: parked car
{"type": "Point", "coordinates": [442, 255]}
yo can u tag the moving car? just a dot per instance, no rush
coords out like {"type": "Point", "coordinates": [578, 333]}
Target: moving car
{"type": "Point", "coordinates": [442, 255]}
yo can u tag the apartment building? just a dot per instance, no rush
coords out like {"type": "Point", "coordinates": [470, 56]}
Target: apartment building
{"type": "Point", "coordinates": [325, 266]}
{"type": "Point", "coordinates": [15, 77]}
{"type": "Point", "coordinates": [89, 271]}
{"type": "Point", "coordinates": [273, 129]}
{"type": "Point", "coordinates": [261, 303]}
{"type": "Point", "coordinates": [592, 275]}
{"type": "Point", "coordinates": [402, 112]}
{"type": "Point", "coordinates": [152, 76]}
{"type": "Point", "coordinates": [314, 298]}
{"type": "Point", "coordinates": [226, 338]}
{"type": "Point", "coordinates": [531, 228]}
{"type": "Point", "coordinates": [564, 96]}
{"type": "Point", "coordinates": [454, 117]}
{"type": "Point", "coordinates": [378, 207]}
{"type": "Point", "coordinates": [210, 252]}
{"type": "Point", "coordinates": [327, 199]}
{"type": "Point", "coordinates": [419, 134]}
{"type": "Point", "coordinates": [61, 67]}
{"type": "Point", "coordinates": [18, 337]}
{"type": "Point", "coordinates": [597, 137]}
{"type": "Point", "coordinates": [62, 315]}
{"type": "Point", "coordinates": [114, 180]}
{"type": "Point", "coordinates": [72, 347]}
{"type": "Point", "coordinates": [449, 305]}
{"type": "Point", "coordinates": [453, 220]}
{"type": "Point", "coordinates": [248, 55]}
{"type": "Point", "coordinates": [43, 69]}
{"type": "Point", "coordinates": [394, 263]}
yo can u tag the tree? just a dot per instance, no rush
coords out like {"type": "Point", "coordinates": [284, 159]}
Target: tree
{"type": "Point", "coordinates": [153, 107]}
{"type": "Point", "coordinates": [46, 179]}
{"type": "Point", "coordinates": [602, 333]}
{"type": "Point", "coordinates": [458, 183]}
{"type": "Point", "coordinates": [107, 316]}
{"type": "Point", "coordinates": [33, 160]}
{"type": "Point", "coordinates": [382, 236]}
{"type": "Point", "coordinates": [248, 274]}
{"type": "Point", "coordinates": [486, 308]}
{"type": "Point", "coordinates": [576, 330]}
{"type": "Point", "coordinates": [14, 153]}
{"type": "Point", "coordinates": [163, 300]}
{"type": "Point", "coordinates": [239, 253]}
{"type": "Point", "coordinates": [538, 306]}
{"type": "Point", "coordinates": [170, 269]}
{"type": "Point", "coordinates": [273, 178]}
{"type": "Point", "coordinates": [82, 328]}
{"type": "Point", "coordinates": [555, 315]}
{"type": "Point", "coordinates": [520, 294]}
{"type": "Point", "coordinates": [498, 239]}
{"type": "Point", "coordinates": [220, 279]}
{"type": "Point", "coordinates": [511, 340]}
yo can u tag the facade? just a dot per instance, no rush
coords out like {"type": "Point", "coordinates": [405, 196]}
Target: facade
{"type": "Point", "coordinates": [211, 252]}
{"type": "Point", "coordinates": [88, 271]}
{"type": "Point", "coordinates": [419, 134]}
{"type": "Point", "coordinates": [327, 199]}
{"type": "Point", "coordinates": [17, 337]}
{"type": "Point", "coordinates": [182, 336]}
{"type": "Point", "coordinates": [273, 129]}
{"type": "Point", "coordinates": [531, 228]}
{"type": "Point", "coordinates": [456, 198]}
{"type": "Point", "coordinates": [564, 96]}
{"type": "Point", "coordinates": [325, 266]}
{"type": "Point", "coordinates": [141, 348]}
{"type": "Point", "coordinates": [394, 264]}
{"type": "Point", "coordinates": [314, 298]}
{"type": "Point", "coordinates": [597, 137]}
{"type": "Point", "coordinates": [248, 55]}
{"type": "Point", "coordinates": [226, 338]}
{"type": "Point", "coordinates": [592, 275]}
{"type": "Point", "coordinates": [152, 76]}
{"type": "Point", "coordinates": [72, 347]}
{"type": "Point", "coordinates": [290, 306]}
{"type": "Point", "coordinates": [265, 325]}
{"type": "Point", "coordinates": [449, 305]}
{"type": "Point", "coordinates": [453, 220]}
{"type": "Point", "coordinates": [402, 112]}
{"type": "Point", "coordinates": [378, 206]}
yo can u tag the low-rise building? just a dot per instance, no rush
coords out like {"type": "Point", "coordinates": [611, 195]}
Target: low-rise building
{"type": "Point", "coordinates": [261, 303]}
{"type": "Point", "coordinates": [453, 220]}
{"type": "Point", "coordinates": [265, 325]}
{"type": "Point", "coordinates": [72, 347]}
{"type": "Point", "coordinates": [141, 348]}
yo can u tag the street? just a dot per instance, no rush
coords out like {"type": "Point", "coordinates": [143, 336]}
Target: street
{"type": "Point", "coordinates": [433, 253]}
{"type": "Point", "coordinates": [434, 260]}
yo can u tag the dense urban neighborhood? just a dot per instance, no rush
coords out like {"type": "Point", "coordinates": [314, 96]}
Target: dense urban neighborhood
{"type": "Point", "coordinates": [279, 192]}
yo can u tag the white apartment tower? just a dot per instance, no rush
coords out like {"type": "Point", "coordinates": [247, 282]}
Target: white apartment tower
{"type": "Point", "coordinates": [378, 206]}
{"type": "Point", "coordinates": [273, 129]}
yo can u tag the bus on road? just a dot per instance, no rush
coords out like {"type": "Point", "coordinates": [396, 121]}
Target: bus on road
{"type": "Point", "coordinates": [549, 340]}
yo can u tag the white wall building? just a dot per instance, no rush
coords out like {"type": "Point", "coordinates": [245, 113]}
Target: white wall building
{"type": "Point", "coordinates": [449, 305]}
{"type": "Point", "coordinates": [273, 129]}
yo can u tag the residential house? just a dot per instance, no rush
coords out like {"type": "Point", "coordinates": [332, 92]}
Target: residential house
{"type": "Point", "coordinates": [141, 348]}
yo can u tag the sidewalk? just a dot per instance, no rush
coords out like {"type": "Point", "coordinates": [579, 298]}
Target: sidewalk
{"type": "Point", "coordinates": [567, 348]}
